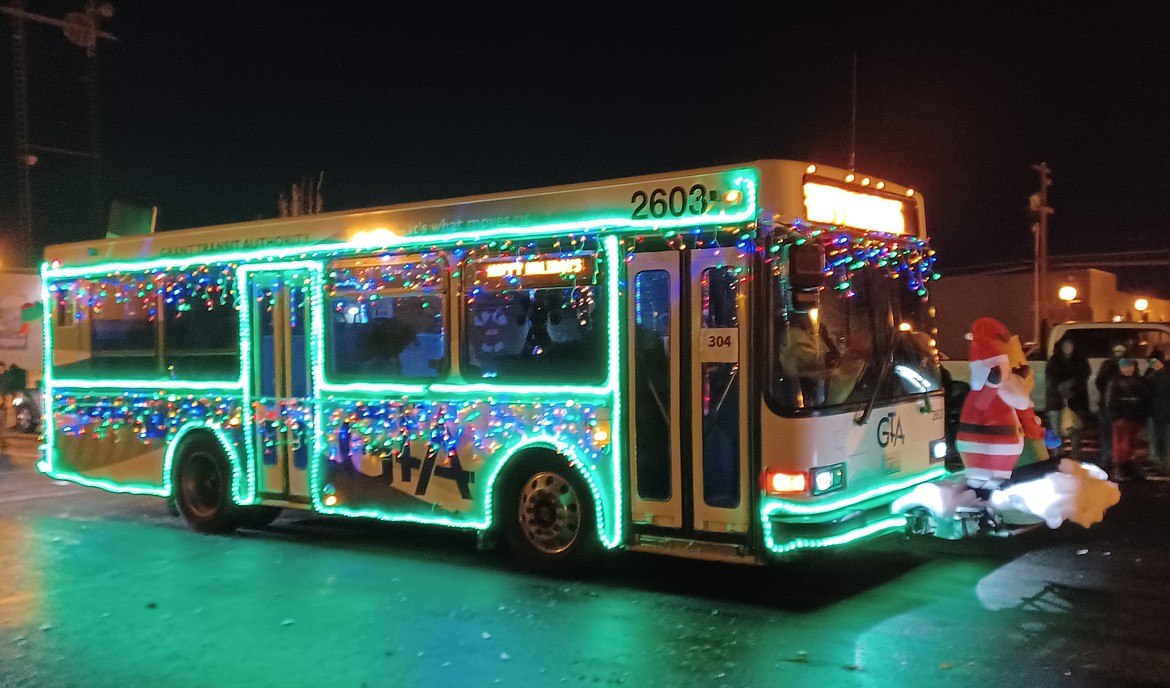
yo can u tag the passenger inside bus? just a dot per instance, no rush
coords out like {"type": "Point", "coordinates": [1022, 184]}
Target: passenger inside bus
{"type": "Point", "coordinates": [804, 356]}
{"type": "Point", "coordinates": [542, 308]}
{"type": "Point", "coordinates": [385, 341]}
{"type": "Point", "coordinates": [819, 369]}
{"type": "Point", "coordinates": [535, 334]}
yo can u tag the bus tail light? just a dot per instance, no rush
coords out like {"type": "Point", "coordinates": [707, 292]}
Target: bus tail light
{"type": "Point", "coordinates": [779, 482]}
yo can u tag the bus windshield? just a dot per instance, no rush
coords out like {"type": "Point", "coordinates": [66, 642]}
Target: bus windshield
{"type": "Point", "coordinates": [833, 349]}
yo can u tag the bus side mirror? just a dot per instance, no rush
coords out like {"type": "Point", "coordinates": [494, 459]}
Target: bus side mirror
{"type": "Point", "coordinates": [806, 267]}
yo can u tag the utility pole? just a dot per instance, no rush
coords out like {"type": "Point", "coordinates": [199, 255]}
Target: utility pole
{"type": "Point", "coordinates": [24, 159]}
{"type": "Point", "coordinates": [82, 29]}
{"type": "Point", "coordinates": [1040, 211]}
{"type": "Point", "coordinates": [853, 120]}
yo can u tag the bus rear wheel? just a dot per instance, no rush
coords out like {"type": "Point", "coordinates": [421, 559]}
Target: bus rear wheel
{"type": "Point", "coordinates": [203, 484]}
{"type": "Point", "coordinates": [549, 517]}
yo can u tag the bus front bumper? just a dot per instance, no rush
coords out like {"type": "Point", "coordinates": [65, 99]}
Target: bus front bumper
{"type": "Point", "coordinates": [790, 526]}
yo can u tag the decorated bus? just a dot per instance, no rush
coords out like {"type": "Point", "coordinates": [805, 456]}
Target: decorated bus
{"type": "Point", "coordinates": [732, 363]}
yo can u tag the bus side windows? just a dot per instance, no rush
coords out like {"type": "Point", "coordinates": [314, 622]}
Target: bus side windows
{"type": "Point", "coordinates": [534, 320]}
{"type": "Point", "coordinates": [106, 329]}
{"type": "Point", "coordinates": [386, 320]}
{"type": "Point", "coordinates": [201, 334]}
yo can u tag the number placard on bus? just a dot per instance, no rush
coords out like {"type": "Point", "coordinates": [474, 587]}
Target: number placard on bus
{"type": "Point", "coordinates": [719, 345]}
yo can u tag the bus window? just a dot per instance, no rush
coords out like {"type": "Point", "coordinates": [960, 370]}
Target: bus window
{"type": "Point", "coordinates": [537, 320]}
{"type": "Point", "coordinates": [719, 387]}
{"type": "Point", "coordinates": [114, 334]}
{"type": "Point", "coordinates": [834, 353]}
{"type": "Point", "coordinates": [652, 375]}
{"type": "Point", "coordinates": [201, 328]}
{"type": "Point", "coordinates": [386, 320]}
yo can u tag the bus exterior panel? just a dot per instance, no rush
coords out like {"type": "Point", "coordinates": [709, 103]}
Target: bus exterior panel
{"type": "Point", "coordinates": [438, 461]}
{"type": "Point", "coordinates": [124, 441]}
{"type": "Point", "coordinates": [244, 336]}
{"type": "Point", "coordinates": [877, 462]}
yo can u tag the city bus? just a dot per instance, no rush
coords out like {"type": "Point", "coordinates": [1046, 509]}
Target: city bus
{"type": "Point", "coordinates": [733, 363]}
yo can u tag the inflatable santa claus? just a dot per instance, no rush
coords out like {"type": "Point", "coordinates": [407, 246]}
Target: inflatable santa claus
{"type": "Point", "coordinates": [999, 491]}
{"type": "Point", "coordinates": [991, 437]}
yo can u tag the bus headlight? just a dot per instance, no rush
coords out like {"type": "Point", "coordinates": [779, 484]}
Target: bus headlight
{"type": "Point", "coordinates": [828, 479]}
{"type": "Point", "coordinates": [938, 450]}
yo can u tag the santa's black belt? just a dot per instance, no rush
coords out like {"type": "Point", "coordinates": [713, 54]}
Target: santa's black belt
{"type": "Point", "coordinates": [1005, 430]}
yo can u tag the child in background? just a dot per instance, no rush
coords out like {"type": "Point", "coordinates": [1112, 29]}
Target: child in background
{"type": "Point", "coordinates": [1125, 398]}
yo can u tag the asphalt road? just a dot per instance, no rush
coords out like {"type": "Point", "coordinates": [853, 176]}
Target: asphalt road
{"type": "Point", "coordinates": [108, 590]}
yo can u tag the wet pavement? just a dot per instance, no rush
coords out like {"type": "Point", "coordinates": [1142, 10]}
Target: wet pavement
{"type": "Point", "coordinates": [109, 590]}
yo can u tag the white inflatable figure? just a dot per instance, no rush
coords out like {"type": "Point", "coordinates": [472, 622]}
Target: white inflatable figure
{"type": "Point", "coordinates": [1076, 492]}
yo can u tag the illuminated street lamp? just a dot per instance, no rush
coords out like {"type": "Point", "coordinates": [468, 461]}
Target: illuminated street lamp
{"type": "Point", "coordinates": [1142, 305]}
{"type": "Point", "coordinates": [1068, 294]}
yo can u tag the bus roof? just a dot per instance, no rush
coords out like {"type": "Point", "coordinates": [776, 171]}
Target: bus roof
{"type": "Point", "coordinates": [766, 190]}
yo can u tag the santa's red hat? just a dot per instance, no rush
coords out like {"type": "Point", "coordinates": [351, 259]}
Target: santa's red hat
{"type": "Point", "coordinates": [989, 339]}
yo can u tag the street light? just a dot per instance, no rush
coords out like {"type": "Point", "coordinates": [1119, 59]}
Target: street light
{"type": "Point", "coordinates": [1068, 294]}
{"type": "Point", "coordinates": [1142, 305]}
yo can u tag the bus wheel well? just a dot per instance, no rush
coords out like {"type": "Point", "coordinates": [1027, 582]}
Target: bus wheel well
{"type": "Point", "coordinates": [516, 464]}
{"type": "Point", "coordinates": [201, 483]}
{"type": "Point", "coordinates": [544, 507]}
{"type": "Point", "coordinates": [190, 437]}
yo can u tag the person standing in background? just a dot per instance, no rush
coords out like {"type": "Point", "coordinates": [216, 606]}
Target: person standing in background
{"type": "Point", "coordinates": [1067, 391]}
{"type": "Point", "coordinates": [1126, 399]}
{"type": "Point", "coordinates": [1105, 375]}
{"type": "Point", "coordinates": [1157, 379]}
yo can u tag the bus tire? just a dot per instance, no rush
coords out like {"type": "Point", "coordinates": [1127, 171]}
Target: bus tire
{"type": "Point", "coordinates": [548, 516]}
{"type": "Point", "coordinates": [203, 487]}
{"type": "Point", "coordinates": [260, 516]}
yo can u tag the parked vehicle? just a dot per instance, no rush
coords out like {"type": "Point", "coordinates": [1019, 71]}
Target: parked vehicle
{"type": "Point", "coordinates": [1092, 340]}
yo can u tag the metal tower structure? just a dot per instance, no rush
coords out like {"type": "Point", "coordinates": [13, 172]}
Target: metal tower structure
{"type": "Point", "coordinates": [81, 29]}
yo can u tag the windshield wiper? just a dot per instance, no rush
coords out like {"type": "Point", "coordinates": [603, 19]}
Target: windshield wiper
{"type": "Point", "coordinates": [886, 365]}
{"type": "Point", "coordinates": [877, 387]}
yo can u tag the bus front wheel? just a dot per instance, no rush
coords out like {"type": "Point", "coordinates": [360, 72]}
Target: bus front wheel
{"type": "Point", "coordinates": [203, 484]}
{"type": "Point", "coordinates": [549, 517]}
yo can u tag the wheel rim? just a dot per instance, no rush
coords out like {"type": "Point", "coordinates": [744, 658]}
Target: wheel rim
{"type": "Point", "coordinates": [202, 485]}
{"type": "Point", "coordinates": [550, 512]}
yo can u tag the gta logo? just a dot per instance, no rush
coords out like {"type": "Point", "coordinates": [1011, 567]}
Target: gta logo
{"type": "Point", "coordinates": [889, 431]}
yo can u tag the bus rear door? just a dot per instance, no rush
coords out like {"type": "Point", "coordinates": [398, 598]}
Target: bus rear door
{"type": "Point", "coordinates": [279, 379]}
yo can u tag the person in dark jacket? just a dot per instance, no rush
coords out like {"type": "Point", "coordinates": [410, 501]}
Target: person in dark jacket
{"type": "Point", "coordinates": [1105, 374]}
{"type": "Point", "coordinates": [1125, 398]}
{"type": "Point", "coordinates": [1067, 386]}
{"type": "Point", "coordinates": [1157, 379]}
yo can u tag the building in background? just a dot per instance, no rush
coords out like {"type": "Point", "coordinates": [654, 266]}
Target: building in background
{"type": "Point", "coordinates": [20, 340]}
{"type": "Point", "coordinates": [1007, 296]}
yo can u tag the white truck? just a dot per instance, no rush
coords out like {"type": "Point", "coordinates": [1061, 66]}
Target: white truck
{"type": "Point", "coordinates": [1092, 340]}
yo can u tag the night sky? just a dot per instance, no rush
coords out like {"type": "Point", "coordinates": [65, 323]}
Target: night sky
{"type": "Point", "coordinates": [211, 109]}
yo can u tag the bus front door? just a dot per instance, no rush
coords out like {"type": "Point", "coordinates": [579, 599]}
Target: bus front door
{"type": "Point", "coordinates": [687, 351]}
{"type": "Point", "coordinates": [279, 379]}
